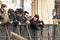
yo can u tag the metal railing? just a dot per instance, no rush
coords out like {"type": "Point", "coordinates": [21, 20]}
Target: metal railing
{"type": "Point", "coordinates": [49, 32]}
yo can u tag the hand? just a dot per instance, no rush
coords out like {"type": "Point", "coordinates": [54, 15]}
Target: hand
{"type": "Point", "coordinates": [11, 22]}
{"type": "Point", "coordinates": [0, 22]}
{"type": "Point", "coordinates": [41, 24]}
{"type": "Point", "coordinates": [19, 23]}
{"type": "Point", "coordinates": [27, 22]}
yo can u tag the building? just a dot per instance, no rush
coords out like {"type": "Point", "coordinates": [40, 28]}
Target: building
{"type": "Point", "coordinates": [43, 8]}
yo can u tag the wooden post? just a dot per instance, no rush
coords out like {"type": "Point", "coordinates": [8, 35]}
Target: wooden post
{"type": "Point", "coordinates": [17, 36]}
{"type": "Point", "coordinates": [22, 4]}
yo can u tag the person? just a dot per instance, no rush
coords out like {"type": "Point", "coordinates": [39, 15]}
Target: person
{"type": "Point", "coordinates": [3, 14]}
{"type": "Point", "coordinates": [19, 20]}
{"type": "Point", "coordinates": [26, 17]}
{"type": "Point", "coordinates": [36, 24]}
{"type": "Point", "coordinates": [19, 15]}
{"type": "Point", "coordinates": [56, 18]}
{"type": "Point", "coordinates": [11, 15]}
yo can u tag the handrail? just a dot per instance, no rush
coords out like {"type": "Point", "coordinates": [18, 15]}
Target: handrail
{"type": "Point", "coordinates": [17, 36]}
{"type": "Point", "coordinates": [30, 35]}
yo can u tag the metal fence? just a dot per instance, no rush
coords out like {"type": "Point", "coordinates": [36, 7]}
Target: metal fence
{"type": "Point", "coordinates": [49, 32]}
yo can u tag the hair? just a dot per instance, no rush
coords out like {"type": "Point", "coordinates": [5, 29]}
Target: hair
{"type": "Point", "coordinates": [3, 5]}
{"type": "Point", "coordinates": [20, 10]}
{"type": "Point", "coordinates": [26, 12]}
{"type": "Point", "coordinates": [10, 10]}
{"type": "Point", "coordinates": [37, 16]}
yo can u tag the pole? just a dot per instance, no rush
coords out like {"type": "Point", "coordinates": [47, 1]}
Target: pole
{"type": "Point", "coordinates": [22, 4]}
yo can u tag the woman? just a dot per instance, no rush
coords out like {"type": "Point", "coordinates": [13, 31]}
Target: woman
{"type": "Point", "coordinates": [36, 23]}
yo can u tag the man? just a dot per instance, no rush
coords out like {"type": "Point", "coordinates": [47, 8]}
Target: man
{"type": "Point", "coordinates": [3, 14]}
{"type": "Point", "coordinates": [11, 15]}
{"type": "Point", "coordinates": [19, 15]}
{"type": "Point", "coordinates": [19, 19]}
{"type": "Point", "coordinates": [26, 17]}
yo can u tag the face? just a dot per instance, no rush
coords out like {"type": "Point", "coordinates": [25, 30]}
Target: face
{"type": "Point", "coordinates": [26, 15]}
{"type": "Point", "coordinates": [5, 8]}
{"type": "Point", "coordinates": [19, 14]}
{"type": "Point", "coordinates": [35, 19]}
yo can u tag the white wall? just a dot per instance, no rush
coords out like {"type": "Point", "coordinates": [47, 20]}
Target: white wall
{"type": "Point", "coordinates": [45, 8]}
{"type": "Point", "coordinates": [27, 6]}
{"type": "Point", "coordinates": [10, 4]}
{"type": "Point", "coordinates": [16, 4]}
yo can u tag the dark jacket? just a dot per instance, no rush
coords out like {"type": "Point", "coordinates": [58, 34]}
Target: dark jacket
{"type": "Point", "coordinates": [12, 16]}
{"type": "Point", "coordinates": [36, 24]}
{"type": "Point", "coordinates": [20, 19]}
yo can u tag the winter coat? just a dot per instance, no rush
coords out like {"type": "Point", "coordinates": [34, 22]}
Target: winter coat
{"type": "Point", "coordinates": [5, 17]}
{"type": "Point", "coordinates": [12, 16]}
{"type": "Point", "coordinates": [36, 24]}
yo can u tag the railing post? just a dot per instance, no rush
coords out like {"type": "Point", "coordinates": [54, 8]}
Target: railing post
{"type": "Point", "coordinates": [28, 31]}
{"type": "Point", "coordinates": [18, 30]}
{"type": "Point", "coordinates": [7, 31]}
{"type": "Point", "coordinates": [54, 31]}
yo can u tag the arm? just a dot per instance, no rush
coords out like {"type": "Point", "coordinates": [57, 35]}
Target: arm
{"type": "Point", "coordinates": [41, 24]}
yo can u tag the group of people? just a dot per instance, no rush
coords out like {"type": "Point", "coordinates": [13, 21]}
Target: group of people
{"type": "Point", "coordinates": [18, 17]}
